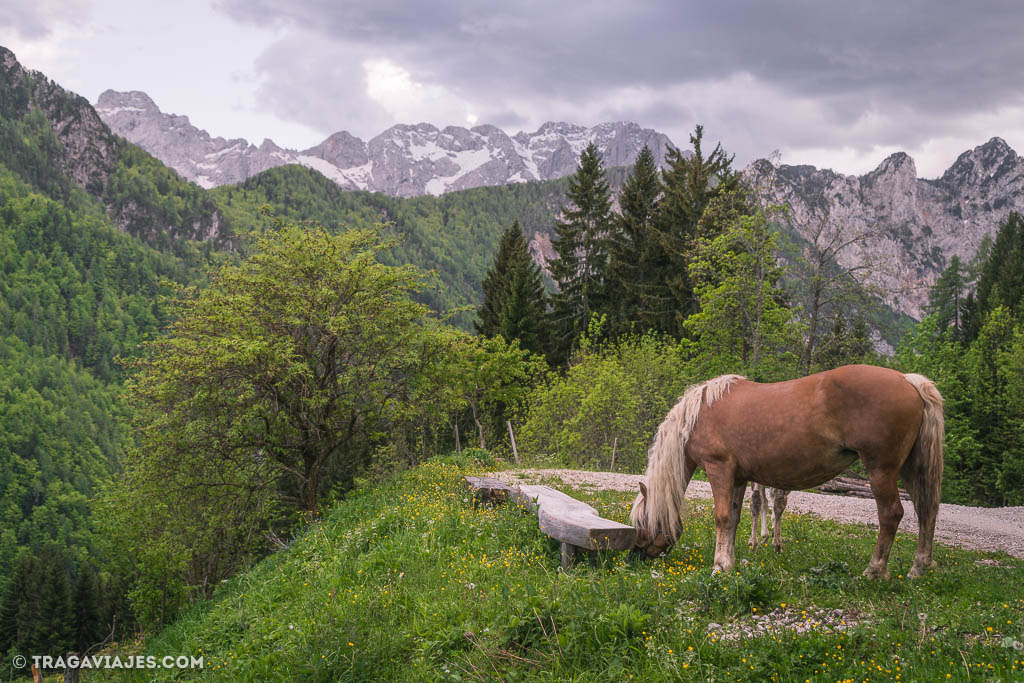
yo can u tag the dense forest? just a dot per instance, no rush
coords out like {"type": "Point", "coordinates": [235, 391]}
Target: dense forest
{"type": "Point", "coordinates": [190, 378]}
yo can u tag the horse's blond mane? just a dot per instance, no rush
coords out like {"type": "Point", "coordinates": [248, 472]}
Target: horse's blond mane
{"type": "Point", "coordinates": [665, 477]}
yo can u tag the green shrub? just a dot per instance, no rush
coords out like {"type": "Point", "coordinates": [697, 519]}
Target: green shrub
{"type": "Point", "coordinates": [611, 399]}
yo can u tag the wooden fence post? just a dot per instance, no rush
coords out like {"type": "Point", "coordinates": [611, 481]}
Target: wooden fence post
{"type": "Point", "coordinates": [512, 437]}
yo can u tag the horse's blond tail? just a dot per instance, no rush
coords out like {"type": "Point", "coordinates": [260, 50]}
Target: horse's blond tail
{"type": "Point", "coordinates": [666, 475]}
{"type": "Point", "coordinates": [925, 463]}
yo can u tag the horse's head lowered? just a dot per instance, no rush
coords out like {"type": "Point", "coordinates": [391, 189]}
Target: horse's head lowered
{"type": "Point", "coordinates": [651, 542]}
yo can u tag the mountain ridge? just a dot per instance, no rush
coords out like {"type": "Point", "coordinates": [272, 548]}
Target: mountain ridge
{"type": "Point", "coordinates": [913, 225]}
{"type": "Point", "coordinates": [405, 160]}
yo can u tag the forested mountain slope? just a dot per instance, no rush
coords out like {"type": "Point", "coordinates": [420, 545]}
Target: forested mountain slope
{"type": "Point", "coordinates": [94, 235]}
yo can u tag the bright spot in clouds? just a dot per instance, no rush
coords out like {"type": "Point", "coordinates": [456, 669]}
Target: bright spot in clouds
{"type": "Point", "coordinates": [390, 85]}
{"type": "Point", "coordinates": [407, 100]}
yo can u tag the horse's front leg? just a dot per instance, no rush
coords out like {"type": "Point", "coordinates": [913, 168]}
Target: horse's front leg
{"type": "Point", "coordinates": [890, 512]}
{"type": "Point", "coordinates": [728, 505]}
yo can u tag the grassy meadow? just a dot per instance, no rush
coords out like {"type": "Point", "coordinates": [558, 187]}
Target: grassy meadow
{"type": "Point", "coordinates": [407, 581]}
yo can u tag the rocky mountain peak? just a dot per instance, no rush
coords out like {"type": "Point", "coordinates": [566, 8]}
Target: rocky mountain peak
{"type": "Point", "coordinates": [8, 57]}
{"type": "Point", "coordinates": [898, 165]}
{"type": "Point", "coordinates": [986, 161]}
{"type": "Point", "coordinates": [111, 102]}
{"type": "Point", "coordinates": [342, 149]}
{"type": "Point", "coordinates": [558, 128]}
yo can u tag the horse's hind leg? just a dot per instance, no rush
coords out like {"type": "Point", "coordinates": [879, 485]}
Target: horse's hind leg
{"type": "Point", "coordinates": [764, 514]}
{"type": "Point", "coordinates": [757, 510]}
{"type": "Point", "coordinates": [927, 508]}
{"type": "Point", "coordinates": [779, 500]}
{"type": "Point", "coordinates": [890, 512]}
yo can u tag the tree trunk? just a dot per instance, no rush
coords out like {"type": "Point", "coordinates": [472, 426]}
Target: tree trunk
{"type": "Point", "coordinates": [476, 420]}
{"type": "Point", "coordinates": [812, 331]}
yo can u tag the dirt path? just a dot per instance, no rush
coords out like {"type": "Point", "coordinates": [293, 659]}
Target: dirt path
{"type": "Point", "coordinates": [991, 529]}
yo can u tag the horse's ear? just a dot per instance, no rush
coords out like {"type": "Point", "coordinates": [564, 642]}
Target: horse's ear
{"type": "Point", "coordinates": [643, 489]}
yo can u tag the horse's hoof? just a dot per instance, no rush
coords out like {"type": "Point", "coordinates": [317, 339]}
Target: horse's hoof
{"type": "Point", "coordinates": [917, 571]}
{"type": "Point", "coordinates": [752, 545]}
{"type": "Point", "coordinates": [882, 573]}
{"type": "Point", "coordinates": [778, 548]}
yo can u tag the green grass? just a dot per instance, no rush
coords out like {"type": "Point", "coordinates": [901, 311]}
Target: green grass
{"type": "Point", "coordinates": [407, 581]}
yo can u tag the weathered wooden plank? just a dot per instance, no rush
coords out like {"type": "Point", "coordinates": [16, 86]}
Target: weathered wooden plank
{"type": "Point", "coordinates": [489, 491]}
{"type": "Point", "coordinates": [572, 521]}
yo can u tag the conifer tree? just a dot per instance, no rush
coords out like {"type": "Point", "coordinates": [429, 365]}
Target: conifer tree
{"type": "Point", "coordinates": [633, 247]}
{"type": "Point", "coordinates": [742, 323]}
{"type": "Point", "coordinates": [20, 610]}
{"type": "Point", "coordinates": [691, 182]}
{"type": "Point", "coordinates": [947, 299]}
{"type": "Point", "coordinates": [514, 305]}
{"type": "Point", "coordinates": [86, 607]}
{"type": "Point", "coordinates": [9, 608]}
{"type": "Point", "coordinates": [1002, 276]}
{"type": "Point", "coordinates": [54, 628]}
{"type": "Point", "coordinates": [581, 241]}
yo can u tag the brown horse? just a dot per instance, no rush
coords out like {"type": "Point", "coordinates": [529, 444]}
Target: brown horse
{"type": "Point", "coordinates": [794, 435]}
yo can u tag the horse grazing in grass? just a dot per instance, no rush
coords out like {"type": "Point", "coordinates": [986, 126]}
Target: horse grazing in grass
{"type": "Point", "coordinates": [794, 435]}
{"type": "Point", "coordinates": [761, 497]}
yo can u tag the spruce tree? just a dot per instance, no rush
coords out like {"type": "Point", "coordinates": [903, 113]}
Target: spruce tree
{"type": "Point", "coordinates": [691, 181]}
{"type": "Point", "coordinates": [87, 612]}
{"type": "Point", "coordinates": [633, 246]}
{"type": "Point", "coordinates": [1002, 275]}
{"type": "Point", "coordinates": [582, 242]}
{"type": "Point", "coordinates": [947, 299]}
{"type": "Point", "coordinates": [20, 610]}
{"type": "Point", "coordinates": [514, 305]}
{"type": "Point", "coordinates": [55, 625]}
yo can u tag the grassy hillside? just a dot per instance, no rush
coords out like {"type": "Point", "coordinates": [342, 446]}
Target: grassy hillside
{"type": "Point", "coordinates": [407, 581]}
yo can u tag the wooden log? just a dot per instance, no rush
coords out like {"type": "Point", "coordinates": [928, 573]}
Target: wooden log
{"type": "Point", "coordinates": [853, 487]}
{"type": "Point", "coordinates": [489, 491]}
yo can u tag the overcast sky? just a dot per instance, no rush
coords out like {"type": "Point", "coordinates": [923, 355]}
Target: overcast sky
{"type": "Point", "coordinates": [834, 84]}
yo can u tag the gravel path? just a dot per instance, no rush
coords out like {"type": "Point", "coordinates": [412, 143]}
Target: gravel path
{"type": "Point", "coordinates": [990, 529]}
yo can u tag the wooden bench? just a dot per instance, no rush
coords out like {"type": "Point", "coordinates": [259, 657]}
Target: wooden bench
{"type": "Point", "coordinates": [572, 522]}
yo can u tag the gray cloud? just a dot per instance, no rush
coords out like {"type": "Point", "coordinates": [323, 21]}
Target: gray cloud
{"type": "Point", "coordinates": [923, 52]}
{"type": "Point", "coordinates": [35, 19]}
{"type": "Point", "coordinates": [899, 71]}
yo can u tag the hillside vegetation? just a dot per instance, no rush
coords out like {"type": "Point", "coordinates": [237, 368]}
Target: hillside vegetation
{"type": "Point", "coordinates": [79, 289]}
{"type": "Point", "coordinates": [455, 235]}
{"type": "Point", "coordinates": [406, 580]}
